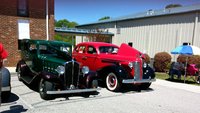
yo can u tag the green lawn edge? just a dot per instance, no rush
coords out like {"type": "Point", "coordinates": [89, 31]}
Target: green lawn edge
{"type": "Point", "coordinates": [165, 76]}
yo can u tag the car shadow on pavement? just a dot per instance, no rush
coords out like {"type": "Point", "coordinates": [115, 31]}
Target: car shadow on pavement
{"type": "Point", "coordinates": [134, 88]}
{"type": "Point", "coordinates": [13, 97]}
{"type": "Point", "coordinates": [15, 109]}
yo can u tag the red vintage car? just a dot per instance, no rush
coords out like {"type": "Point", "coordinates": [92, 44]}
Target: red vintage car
{"type": "Point", "coordinates": [115, 65]}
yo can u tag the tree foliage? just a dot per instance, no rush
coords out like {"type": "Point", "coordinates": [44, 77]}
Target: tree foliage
{"type": "Point", "coordinates": [67, 24]}
{"type": "Point", "coordinates": [173, 6]}
{"type": "Point", "coordinates": [104, 18]}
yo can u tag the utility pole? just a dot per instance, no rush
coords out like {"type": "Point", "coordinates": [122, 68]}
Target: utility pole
{"type": "Point", "coordinates": [47, 19]}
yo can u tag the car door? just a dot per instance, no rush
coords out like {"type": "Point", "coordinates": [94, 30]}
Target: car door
{"type": "Point", "coordinates": [90, 57]}
{"type": "Point", "coordinates": [79, 54]}
{"type": "Point", "coordinates": [28, 55]}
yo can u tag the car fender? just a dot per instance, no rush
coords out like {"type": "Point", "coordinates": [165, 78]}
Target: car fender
{"type": "Point", "coordinates": [23, 67]}
{"type": "Point", "coordinates": [5, 77]}
{"type": "Point", "coordinates": [148, 72]}
{"type": "Point", "coordinates": [48, 76]}
{"type": "Point", "coordinates": [117, 69]}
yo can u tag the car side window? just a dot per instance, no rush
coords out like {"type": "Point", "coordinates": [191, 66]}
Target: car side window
{"type": "Point", "coordinates": [91, 50]}
{"type": "Point", "coordinates": [108, 49]}
{"type": "Point", "coordinates": [81, 49]}
{"type": "Point", "coordinates": [33, 48]}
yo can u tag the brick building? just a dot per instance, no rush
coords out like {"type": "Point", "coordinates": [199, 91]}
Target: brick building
{"type": "Point", "coordinates": [24, 19]}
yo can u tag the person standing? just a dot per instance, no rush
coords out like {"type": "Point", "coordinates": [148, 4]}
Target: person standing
{"type": "Point", "coordinates": [3, 55]}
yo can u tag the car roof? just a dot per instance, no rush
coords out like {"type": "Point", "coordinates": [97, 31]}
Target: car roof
{"type": "Point", "coordinates": [52, 42]}
{"type": "Point", "coordinates": [97, 44]}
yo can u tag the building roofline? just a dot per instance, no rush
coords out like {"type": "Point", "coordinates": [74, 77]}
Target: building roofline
{"type": "Point", "coordinates": [149, 13]}
{"type": "Point", "coordinates": [81, 31]}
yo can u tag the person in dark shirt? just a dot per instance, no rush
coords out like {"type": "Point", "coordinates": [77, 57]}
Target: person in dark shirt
{"type": "Point", "coordinates": [176, 69]}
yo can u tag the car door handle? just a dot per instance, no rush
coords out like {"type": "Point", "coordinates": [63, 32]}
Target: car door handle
{"type": "Point", "coordinates": [84, 58]}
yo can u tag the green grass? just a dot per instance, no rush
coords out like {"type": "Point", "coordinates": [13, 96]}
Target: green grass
{"type": "Point", "coordinates": [165, 76]}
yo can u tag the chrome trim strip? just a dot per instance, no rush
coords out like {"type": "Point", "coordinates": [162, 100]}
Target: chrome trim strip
{"type": "Point", "coordinates": [73, 91]}
{"type": "Point", "coordinates": [127, 81]}
{"type": "Point", "coordinates": [7, 88]}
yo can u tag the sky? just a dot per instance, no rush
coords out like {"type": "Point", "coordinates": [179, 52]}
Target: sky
{"type": "Point", "coordinates": [88, 11]}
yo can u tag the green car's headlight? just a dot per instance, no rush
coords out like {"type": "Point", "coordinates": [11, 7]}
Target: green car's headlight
{"type": "Point", "coordinates": [60, 69]}
{"type": "Point", "coordinates": [85, 70]}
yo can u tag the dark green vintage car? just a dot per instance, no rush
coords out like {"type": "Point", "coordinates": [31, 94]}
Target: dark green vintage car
{"type": "Point", "coordinates": [48, 67]}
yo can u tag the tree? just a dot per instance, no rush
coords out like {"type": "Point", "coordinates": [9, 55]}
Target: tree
{"type": "Point", "coordinates": [67, 24]}
{"type": "Point", "coordinates": [62, 23]}
{"type": "Point", "coordinates": [173, 6]}
{"type": "Point", "coordinates": [72, 24]}
{"type": "Point", "coordinates": [104, 18]}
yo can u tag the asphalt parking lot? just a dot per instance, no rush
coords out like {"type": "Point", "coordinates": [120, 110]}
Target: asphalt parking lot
{"type": "Point", "coordinates": [161, 97]}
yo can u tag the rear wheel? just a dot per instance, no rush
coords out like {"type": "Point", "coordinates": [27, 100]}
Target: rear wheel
{"type": "Point", "coordinates": [112, 82]}
{"type": "Point", "coordinates": [45, 86]}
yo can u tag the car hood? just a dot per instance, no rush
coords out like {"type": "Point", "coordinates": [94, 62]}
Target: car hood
{"type": "Point", "coordinates": [54, 60]}
{"type": "Point", "coordinates": [125, 53]}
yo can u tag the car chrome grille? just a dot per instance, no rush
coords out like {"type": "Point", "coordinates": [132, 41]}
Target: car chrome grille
{"type": "Point", "coordinates": [71, 74]}
{"type": "Point", "coordinates": [136, 70]}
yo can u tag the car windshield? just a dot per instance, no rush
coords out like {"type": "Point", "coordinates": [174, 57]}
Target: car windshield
{"type": "Point", "coordinates": [60, 52]}
{"type": "Point", "coordinates": [108, 49]}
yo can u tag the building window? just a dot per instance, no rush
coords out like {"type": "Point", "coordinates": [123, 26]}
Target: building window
{"type": "Point", "coordinates": [23, 31]}
{"type": "Point", "coordinates": [22, 8]}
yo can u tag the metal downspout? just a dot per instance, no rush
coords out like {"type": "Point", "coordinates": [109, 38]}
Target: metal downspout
{"type": "Point", "coordinates": [47, 21]}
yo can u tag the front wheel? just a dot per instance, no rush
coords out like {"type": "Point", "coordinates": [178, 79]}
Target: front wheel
{"type": "Point", "coordinates": [45, 86]}
{"type": "Point", "coordinates": [5, 95]}
{"type": "Point", "coordinates": [112, 82]}
{"type": "Point", "coordinates": [19, 74]}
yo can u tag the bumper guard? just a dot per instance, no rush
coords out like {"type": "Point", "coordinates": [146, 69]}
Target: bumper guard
{"type": "Point", "coordinates": [73, 91]}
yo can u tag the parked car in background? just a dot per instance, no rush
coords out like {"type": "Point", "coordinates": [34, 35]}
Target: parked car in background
{"type": "Point", "coordinates": [5, 76]}
{"type": "Point", "coordinates": [49, 67]}
{"type": "Point", "coordinates": [115, 65]}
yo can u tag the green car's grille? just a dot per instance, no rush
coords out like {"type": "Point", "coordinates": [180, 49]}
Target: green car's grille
{"type": "Point", "coordinates": [71, 73]}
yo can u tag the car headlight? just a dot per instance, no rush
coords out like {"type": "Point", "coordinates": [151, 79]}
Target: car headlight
{"type": "Point", "coordinates": [145, 65]}
{"type": "Point", "coordinates": [60, 69]}
{"type": "Point", "coordinates": [130, 64]}
{"type": "Point", "coordinates": [85, 70]}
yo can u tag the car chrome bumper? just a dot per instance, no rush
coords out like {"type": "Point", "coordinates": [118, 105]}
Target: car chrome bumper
{"type": "Point", "coordinates": [127, 81]}
{"type": "Point", "coordinates": [73, 91]}
{"type": "Point", "coordinates": [7, 88]}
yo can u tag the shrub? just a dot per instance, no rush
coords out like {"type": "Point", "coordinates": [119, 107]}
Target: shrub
{"type": "Point", "coordinates": [146, 58]}
{"type": "Point", "coordinates": [194, 59]}
{"type": "Point", "coordinates": [161, 61]}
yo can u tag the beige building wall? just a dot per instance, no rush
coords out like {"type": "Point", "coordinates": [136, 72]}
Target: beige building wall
{"type": "Point", "coordinates": [155, 34]}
